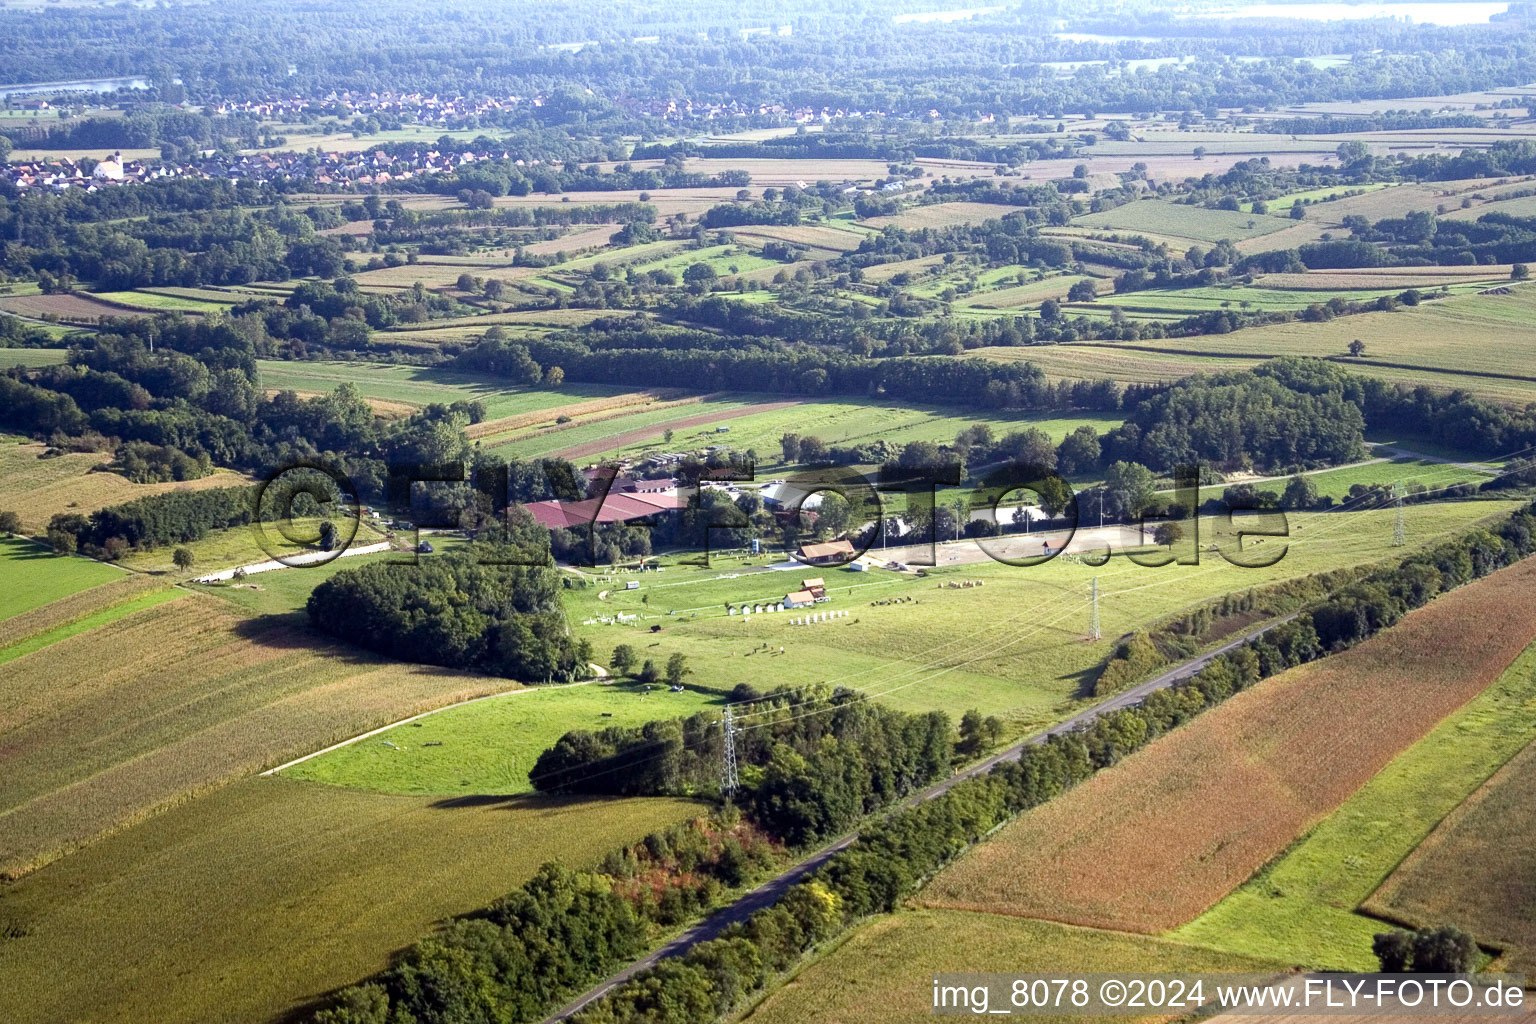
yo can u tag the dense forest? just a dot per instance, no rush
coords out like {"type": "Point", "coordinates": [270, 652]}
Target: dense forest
{"type": "Point", "coordinates": [846, 55]}
{"type": "Point", "coordinates": [495, 607]}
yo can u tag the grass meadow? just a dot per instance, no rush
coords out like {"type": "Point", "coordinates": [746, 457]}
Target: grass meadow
{"type": "Point", "coordinates": [1301, 908]}
{"type": "Point", "coordinates": [909, 642]}
{"type": "Point", "coordinates": [1176, 220]}
{"type": "Point", "coordinates": [10, 357]}
{"type": "Point", "coordinates": [420, 386]}
{"type": "Point", "coordinates": [253, 900]}
{"type": "Point", "coordinates": [1335, 483]}
{"type": "Point", "coordinates": [241, 545]}
{"type": "Point", "coordinates": [35, 576]}
{"type": "Point", "coordinates": [839, 422]}
{"type": "Point", "coordinates": [156, 301]}
{"type": "Point", "coordinates": [1181, 823]}
{"type": "Point", "coordinates": [582, 434]}
{"type": "Point", "coordinates": [1479, 343]}
{"type": "Point", "coordinates": [491, 745]}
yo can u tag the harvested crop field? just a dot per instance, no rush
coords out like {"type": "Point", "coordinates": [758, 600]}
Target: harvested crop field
{"type": "Point", "coordinates": [1381, 277]}
{"type": "Point", "coordinates": [247, 903]}
{"type": "Point", "coordinates": [65, 307]}
{"type": "Point", "coordinates": [104, 727]}
{"type": "Point", "coordinates": [504, 424]}
{"type": "Point", "coordinates": [628, 437]}
{"type": "Point", "coordinates": [817, 236]}
{"type": "Point", "coordinates": [883, 972]}
{"type": "Point", "coordinates": [583, 238]}
{"type": "Point", "coordinates": [1152, 842]}
{"type": "Point", "coordinates": [942, 215]}
{"type": "Point", "coordinates": [38, 488]}
{"type": "Point", "coordinates": [1303, 907]}
{"type": "Point", "coordinates": [1478, 868]}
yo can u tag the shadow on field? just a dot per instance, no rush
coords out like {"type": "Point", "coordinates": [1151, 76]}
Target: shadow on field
{"type": "Point", "coordinates": [531, 803]}
{"type": "Point", "coordinates": [288, 631]}
{"type": "Point", "coordinates": [1085, 682]}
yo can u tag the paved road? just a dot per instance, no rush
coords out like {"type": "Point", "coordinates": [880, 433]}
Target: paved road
{"type": "Point", "coordinates": [770, 891]}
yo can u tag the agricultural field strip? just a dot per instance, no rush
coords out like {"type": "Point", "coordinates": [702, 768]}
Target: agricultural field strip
{"type": "Point", "coordinates": [512, 429]}
{"type": "Point", "coordinates": [1475, 868]}
{"type": "Point", "coordinates": [130, 606]}
{"type": "Point", "coordinates": [74, 607]}
{"type": "Point", "coordinates": [35, 577]}
{"type": "Point", "coordinates": [1305, 907]}
{"type": "Point", "coordinates": [111, 762]}
{"type": "Point", "coordinates": [1059, 885]}
{"type": "Point", "coordinates": [354, 876]}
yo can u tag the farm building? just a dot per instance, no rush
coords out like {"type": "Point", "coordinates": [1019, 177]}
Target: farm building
{"type": "Point", "coordinates": [817, 587]}
{"type": "Point", "coordinates": [799, 599]}
{"type": "Point", "coordinates": [830, 553]}
{"type": "Point", "coordinates": [615, 508]}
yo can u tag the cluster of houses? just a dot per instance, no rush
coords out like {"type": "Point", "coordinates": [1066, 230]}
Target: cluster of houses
{"type": "Point", "coordinates": [64, 173]}
{"type": "Point", "coordinates": [344, 170]}
{"type": "Point", "coordinates": [414, 107]}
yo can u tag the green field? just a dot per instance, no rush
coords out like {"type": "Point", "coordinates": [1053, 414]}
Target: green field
{"type": "Point", "coordinates": [284, 591]}
{"type": "Point", "coordinates": [1301, 909]}
{"type": "Point", "coordinates": [244, 904]}
{"type": "Point", "coordinates": [536, 444]}
{"type": "Point", "coordinates": [1335, 483]}
{"type": "Point", "coordinates": [167, 302]}
{"type": "Point", "coordinates": [882, 972]}
{"type": "Point", "coordinates": [722, 258]}
{"type": "Point", "coordinates": [241, 545]}
{"type": "Point", "coordinates": [840, 422]}
{"type": "Point", "coordinates": [1031, 666]}
{"type": "Point", "coordinates": [415, 385]}
{"type": "Point", "coordinates": [34, 576]}
{"type": "Point", "coordinates": [490, 746]}
{"type": "Point", "coordinates": [1483, 344]}
{"type": "Point", "coordinates": [1455, 337]}
{"type": "Point", "coordinates": [1176, 220]}
{"type": "Point", "coordinates": [1321, 195]}
{"type": "Point", "coordinates": [31, 356]}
